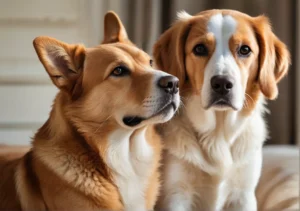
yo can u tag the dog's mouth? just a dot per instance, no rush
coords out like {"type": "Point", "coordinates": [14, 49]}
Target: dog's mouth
{"type": "Point", "coordinates": [133, 121]}
{"type": "Point", "coordinates": [165, 108]}
{"type": "Point", "coordinates": [221, 103]}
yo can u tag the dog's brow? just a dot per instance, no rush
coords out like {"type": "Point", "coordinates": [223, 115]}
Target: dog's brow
{"type": "Point", "coordinates": [147, 68]}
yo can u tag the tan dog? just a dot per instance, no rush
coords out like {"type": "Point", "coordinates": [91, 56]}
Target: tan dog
{"type": "Point", "coordinates": [98, 150]}
{"type": "Point", "coordinates": [227, 63]}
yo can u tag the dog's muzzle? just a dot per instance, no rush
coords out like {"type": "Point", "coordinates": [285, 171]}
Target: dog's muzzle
{"type": "Point", "coordinates": [168, 87]}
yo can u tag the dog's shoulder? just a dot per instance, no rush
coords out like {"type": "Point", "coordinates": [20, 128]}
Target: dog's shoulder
{"type": "Point", "coordinates": [27, 184]}
{"type": "Point", "coordinates": [70, 169]}
{"type": "Point", "coordinates": [19, 188]}
{"type": "Point", "coordinates": [8, 193]}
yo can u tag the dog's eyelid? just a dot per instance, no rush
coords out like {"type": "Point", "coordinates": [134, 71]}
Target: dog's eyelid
{"type": "Point", "coordinates": [120, 70]}
{"type": "Point", "coordinates": [57, 76]}
{"type": "Point", "coordinates": [121, 65]}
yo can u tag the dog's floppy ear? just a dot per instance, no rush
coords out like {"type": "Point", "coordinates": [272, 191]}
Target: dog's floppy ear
{"type": "Point", "coordinates": [114, 31]}
{"type": "Point", "coordinates": [63, 62]}
{"type": "Point", "coordinates": [169, 50]}
{"type": "Point", "coordinates": [274, 57]}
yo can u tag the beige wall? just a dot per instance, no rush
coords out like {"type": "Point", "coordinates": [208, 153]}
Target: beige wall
{"type": "Point", "coordinates": [25, 90]}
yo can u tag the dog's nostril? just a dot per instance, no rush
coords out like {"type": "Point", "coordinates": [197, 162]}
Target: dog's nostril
{"type": "Point", "coordinates": [229, 85]}
{"type": "Point", "coordinates": [216, 86]}
{"type": "Point", "coordinates": [169, 84]}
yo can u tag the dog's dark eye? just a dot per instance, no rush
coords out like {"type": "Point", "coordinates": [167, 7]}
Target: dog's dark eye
{"type": "Point", "coordinates": [151, 62]}
{"type": "Point", "coordinates": [120, 71]}
{"type": "Point", "coordinates": [244, 50]}
{"type": "Point", "coordinates": [200, 50]}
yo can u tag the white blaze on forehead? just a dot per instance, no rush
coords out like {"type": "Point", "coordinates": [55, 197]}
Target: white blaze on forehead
{"type": "Point", "coordinates": [222, 61]}
{"type": "Point", "coordinates": [222, 27]}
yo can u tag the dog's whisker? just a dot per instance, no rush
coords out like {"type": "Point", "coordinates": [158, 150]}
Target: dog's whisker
{"type": "Point", "coordinates": [247, 95]}
{"type": "Point", "coordinates": [102, 124]}
{"type": "Point", "coordinates": [182, 104]}
{"type": "Point", "coordinates": [247, 102]}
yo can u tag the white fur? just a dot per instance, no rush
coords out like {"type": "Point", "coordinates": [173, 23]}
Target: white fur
{"type": "Point", "coordinates": [129, 159]}
{"type": "Point", "coordinates": [222, 61]}
{"type": "Point", "coordinates": [183, 15]}
{"type": "Point", "coordinates": [235, 161]}
{"type": "Point", "coordinates": [213, 158]}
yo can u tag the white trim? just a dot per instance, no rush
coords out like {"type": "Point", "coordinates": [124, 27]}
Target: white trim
{"type": "Point", "coordinates": [298, 79]}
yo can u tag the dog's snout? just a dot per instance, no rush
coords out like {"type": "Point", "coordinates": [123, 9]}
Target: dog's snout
{"type": "Point", "coordinates": [169, 84]}
{"type": "Point", "coordinates": [221, 84]}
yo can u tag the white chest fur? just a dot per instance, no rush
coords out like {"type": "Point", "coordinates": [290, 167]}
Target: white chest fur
{"type": "Point", "coordinates": [225, 145]}
{"type": "Point", "coordinates": [130, 158]}
{"type": "Point", "coordinates": [223, 137]}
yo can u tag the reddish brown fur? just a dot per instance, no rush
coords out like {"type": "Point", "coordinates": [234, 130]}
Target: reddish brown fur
{"type": "Point", "coordinates": [66, 168]}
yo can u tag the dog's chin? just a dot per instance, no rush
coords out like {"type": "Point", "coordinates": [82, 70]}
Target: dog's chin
{"type": "Point", "coordinates": [165, 113]}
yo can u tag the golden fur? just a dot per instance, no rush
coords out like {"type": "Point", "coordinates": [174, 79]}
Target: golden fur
{"type": "Point", "coordinates": [69, 165]}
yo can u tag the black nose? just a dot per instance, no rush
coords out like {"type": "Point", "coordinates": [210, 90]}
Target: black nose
{"type": "Point", "coordinates": [221, 84]}
{"type": "Point", "coordinates": [169, 84]}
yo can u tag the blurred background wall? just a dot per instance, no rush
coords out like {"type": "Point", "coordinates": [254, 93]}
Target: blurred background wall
{"type": "Point", "coordinates": [26, 93]}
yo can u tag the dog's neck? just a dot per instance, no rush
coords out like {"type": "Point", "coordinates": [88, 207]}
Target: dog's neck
{"type": "Point", "coordinates": [60, 138]}
{"type": "Point", "coordinates": [214, 140]}
{"type": "Point", "coordinates": [130, 157]}
{"type": "Point", "coordinates": [226, 125]}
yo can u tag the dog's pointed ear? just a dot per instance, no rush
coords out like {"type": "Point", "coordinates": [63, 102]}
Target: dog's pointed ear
{"type": "Point", "coordinates": [63, 62]}
{"type": "Point", "coordinates": [274, 57]}
{"type": "Point", "coordinates": [169, 50]}
{"type": "Point", "coordinates": [114, 31]}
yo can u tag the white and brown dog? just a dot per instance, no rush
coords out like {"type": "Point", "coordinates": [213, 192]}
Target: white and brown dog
{"type": "Point", "coordinates": [227, 63]}
{"type": "Point", "coordinates": [98, 150]}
